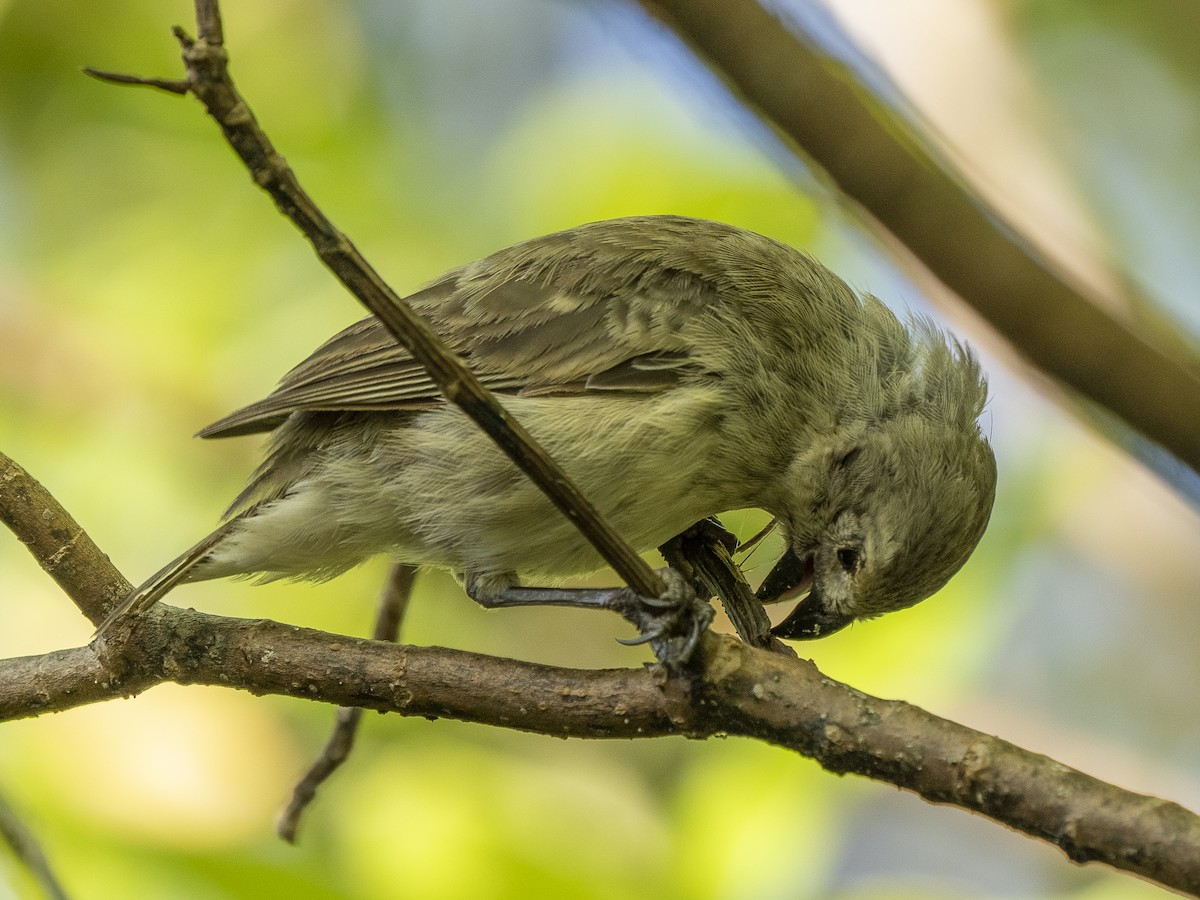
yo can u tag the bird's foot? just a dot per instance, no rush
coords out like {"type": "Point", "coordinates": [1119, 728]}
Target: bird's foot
{"type": "Point", "coordinates": [671, 623]}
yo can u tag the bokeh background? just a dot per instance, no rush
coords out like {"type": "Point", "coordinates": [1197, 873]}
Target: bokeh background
{"type": "Point", "coordinates": [146, 288]}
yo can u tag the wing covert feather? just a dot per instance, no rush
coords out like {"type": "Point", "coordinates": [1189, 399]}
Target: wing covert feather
{"type": "Point", "coordinates": [563, 313]}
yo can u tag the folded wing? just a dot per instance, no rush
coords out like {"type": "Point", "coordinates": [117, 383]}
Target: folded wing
{"type": "Point", "coordinates": [563, 314]}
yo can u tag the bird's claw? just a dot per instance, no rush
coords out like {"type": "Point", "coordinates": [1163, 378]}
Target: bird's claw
{"type": "Point", "coordinates": [671, 623]}
{"type": "Point", "coordinates": [641, 639]}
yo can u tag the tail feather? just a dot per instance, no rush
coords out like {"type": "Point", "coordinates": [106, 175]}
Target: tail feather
{"type": "Point", "coordinates": [154, 588]}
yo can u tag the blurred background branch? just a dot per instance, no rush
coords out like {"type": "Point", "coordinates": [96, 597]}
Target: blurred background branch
{"type": "Point", "coordinates": [393, 604]}
{"type": "Point", "coordinates": [891, 170]}
{"type": "Point", "coordinates": [28, 851]}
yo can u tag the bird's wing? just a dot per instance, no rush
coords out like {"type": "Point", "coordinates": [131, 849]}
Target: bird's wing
{"type": "Point", "coordinates": [601, 307]}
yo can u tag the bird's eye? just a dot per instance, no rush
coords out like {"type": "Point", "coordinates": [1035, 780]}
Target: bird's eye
{"type": "Point", "coordinates": [848, 457]}
{"type": "Point", "coordinates": [849, 559]}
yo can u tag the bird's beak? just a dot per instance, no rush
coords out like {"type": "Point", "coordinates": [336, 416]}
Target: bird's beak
{"type": "Point", "coordinates": [791, 577]}
{"type": "Point", "coordinates": [810, 619]}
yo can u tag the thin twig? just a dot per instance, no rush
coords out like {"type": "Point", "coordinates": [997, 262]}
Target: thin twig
{"type": "Point", "coordinates": [757, 538]}
{"type": "Point", "coordinates": [210, 82]}
{"type": "Point", "coordinates": [28, 851]}
{"type": "Point", "coordinates": [171, 85]}
{"type": "Point", "coordinates": [393, 604]}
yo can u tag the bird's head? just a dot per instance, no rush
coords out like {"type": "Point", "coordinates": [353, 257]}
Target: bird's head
{"type": "Point", "coordinates": [880, 522]}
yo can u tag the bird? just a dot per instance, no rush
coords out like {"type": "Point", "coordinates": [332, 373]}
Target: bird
{"type": "Point", "coordinates": [676, 368]}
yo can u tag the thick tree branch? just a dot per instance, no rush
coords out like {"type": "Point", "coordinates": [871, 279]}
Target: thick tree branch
{"type": "Point", "coordinates": [736, 690]}
{"type": "Point", "coordinates": [57, 542]}
{"type": "Point", "coordinates": [879, 161]}
{"type": "Point", "coordinates": [732, 689]}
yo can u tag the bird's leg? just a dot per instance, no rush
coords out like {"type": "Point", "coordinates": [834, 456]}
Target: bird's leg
{"type": "Point", "coordinates": [671, 623]}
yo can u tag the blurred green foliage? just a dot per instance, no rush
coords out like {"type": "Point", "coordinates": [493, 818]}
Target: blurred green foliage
{"type": "Point", "coordinates": [146, 288]}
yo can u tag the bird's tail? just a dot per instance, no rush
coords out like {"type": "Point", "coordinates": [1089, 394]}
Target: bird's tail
{"type": "Point", "coordinates": [150, 591]}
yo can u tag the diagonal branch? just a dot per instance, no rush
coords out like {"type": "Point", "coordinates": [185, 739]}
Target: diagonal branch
{"type": "Point", "coordinates": [61, 547]}
{"type": "Point", "coordinates": [208, 79]}
{"type": "Point", "coordinates": [27, 850]}
{"type": "Point", "coordinates": [880, 162]}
